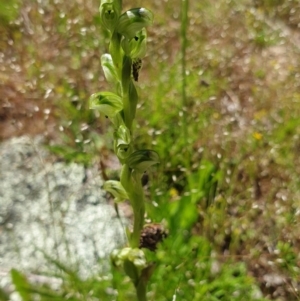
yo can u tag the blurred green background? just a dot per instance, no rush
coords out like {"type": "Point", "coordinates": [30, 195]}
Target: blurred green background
{"type": "Point", "coordinates": [228, 185]}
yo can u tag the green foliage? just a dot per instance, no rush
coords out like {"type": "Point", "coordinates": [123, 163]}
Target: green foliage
{"type": "Point", "coordinates": [9, 10]}
{"type": "Point", "coordinates": [22, 285]}
{"type": "Point", "coordinates": [77, 153]}
{"type": "Point", "coordinates": [72, 287]}
{"type": "Point", "coordinates": [185, 267]}
{"type": "Point", "coordinates": [196, 274]}
{"type": "Point", "coordinates": [287, 257]}
{"type": "Point", "coordinates": [4, 296]}
{"type": "Point", "coordinates": [226, 185]}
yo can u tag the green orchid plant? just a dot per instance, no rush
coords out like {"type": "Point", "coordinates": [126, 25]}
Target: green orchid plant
{"type": "Point", "coordinates": [121, 68]}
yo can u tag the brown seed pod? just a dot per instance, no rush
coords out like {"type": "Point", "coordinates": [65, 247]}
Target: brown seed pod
{"type": "Point", "coordinates": [136, 67]}
{"type": "Point", "coordinates": [151, 235]}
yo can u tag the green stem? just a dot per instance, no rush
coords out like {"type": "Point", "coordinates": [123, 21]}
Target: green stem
{"type": "Point", "coordinates": [135, 193]}
{"type": "Point", "coordinates": [138, 219]}
{"type": "Point", "coordinates": [141, 292]}
{"type": "Point", "coordinates": [133, 188]}
{"type": "Point", "coordinates": [130, 96]}
{"type": "Point", "coordinates": [183, 31]}
{"type": "Point", "coordinates": [184, 41]}
{"type": "Point", "coordinates": [116, 52]}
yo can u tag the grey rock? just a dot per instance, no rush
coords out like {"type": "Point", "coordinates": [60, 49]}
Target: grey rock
{"type": "Point", "coordinates": [48, 207]}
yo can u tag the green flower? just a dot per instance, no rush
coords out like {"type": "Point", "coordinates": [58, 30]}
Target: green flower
{"type": "Point", "coordinates": [116, 189]}
{"type": "Point", "coordinates": [136, 47]}
{"type": "Point", "coordinates": [133, 21]}
{"type": "Point", "coordinates": [107, 103]}
{"type": "Point", "coordinates": [109, 68]}
{"type": "Point", "coordinates": [122, 142]}
{"type": "Point", "coordinates": [110, 11]}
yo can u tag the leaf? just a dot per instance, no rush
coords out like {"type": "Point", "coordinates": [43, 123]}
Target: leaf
{"type": "Point", "coordinates": [22, 285]}
{"type": "Point", "coordinates": [69, 154]}
{"type": "Point", "coordinates": [147, 273]}
{"type": "Point", "coordinates": [107, 103]}
{"type": "Point", "coordinates": [3, 295]}
{"type": "Point", "coordinates": [131, 271]}
{"type": "Point", "coordinates": [141, 160]}
{"type": "Point", "coordinates": [116, 189]}
{"type": "Point", "coordinates": [126, 73]}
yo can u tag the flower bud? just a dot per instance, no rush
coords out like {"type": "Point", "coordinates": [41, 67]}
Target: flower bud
{"type": "Point", "coordinates": [133, 21]}
{"type": "Point", "coordinates": [122, 139]}
{"type": "Point", "coordinates": [141, 160]}
{"type": "Point", "coordinates": [107, 103]}
{"type": "Point", "coordinates": [116, 189]}
{"type": "Point", "coordinates": [136, 256]}
{"type": "Point", "coordinates": [122, 136]}
{"type": "Point", "coordinates": [109, 68]}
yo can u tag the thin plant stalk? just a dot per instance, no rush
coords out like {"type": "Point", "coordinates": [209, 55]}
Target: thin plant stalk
{"type": "Point", "coordinates": [183, 35]}
{"type": "Point", "coordinates": [121, 67]}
